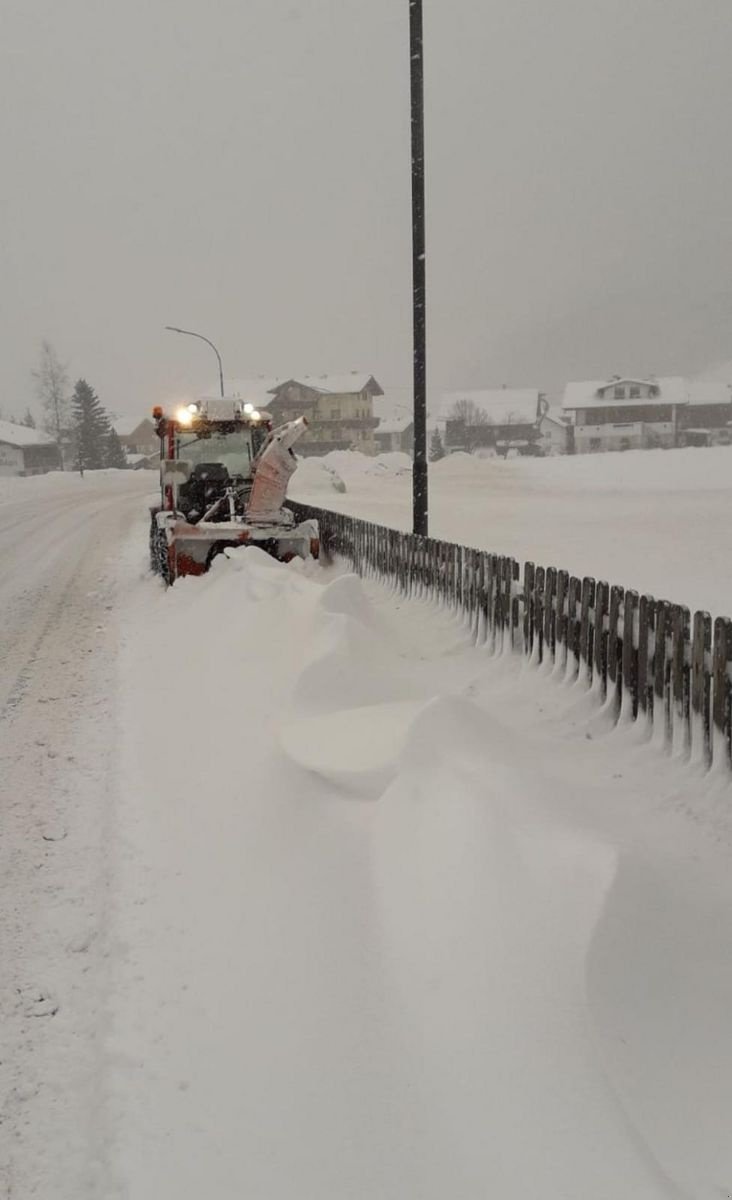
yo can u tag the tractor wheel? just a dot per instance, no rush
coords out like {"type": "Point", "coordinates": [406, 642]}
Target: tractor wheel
{"type": "Point", "coordinates": [154, 566]}
{"type": "Point", "coordinates": [159, 555]}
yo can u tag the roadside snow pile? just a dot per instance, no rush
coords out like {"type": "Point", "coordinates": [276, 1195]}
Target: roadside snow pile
{"type": "Point", "coordinates": [390, 998]}
{"type": "Point", "coordinates": [393, 463]}
{"type": "Point", "coordinates": [315, 475]}
{"type": "Point", "coordinates": [352, 465]}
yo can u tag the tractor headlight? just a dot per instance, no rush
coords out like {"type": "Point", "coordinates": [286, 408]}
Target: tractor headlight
{"type": "Point", "coordinates": [193, 408]}
{"type": "Point", "coordinates": [184, 416]}
{"type": "Point", "coordinates": [255, 416]}
{"type": "Point", "coordinates": [249, 409]}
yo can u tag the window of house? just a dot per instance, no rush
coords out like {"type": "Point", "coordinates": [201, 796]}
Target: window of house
{"type": "Point", "coordinates": [619, 392]}
{"type": "Point", "coordinates": [635, 392]}
{"type": "Point", "coordinates": [335, 414]}
{"type": "Point", "coordinates": [595, 443]}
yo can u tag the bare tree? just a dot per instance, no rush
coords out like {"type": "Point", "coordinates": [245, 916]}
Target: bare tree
{"type": "Point", "coordinates": [52, 389]}
{"type": "Point", "coordinates": [469, 413]}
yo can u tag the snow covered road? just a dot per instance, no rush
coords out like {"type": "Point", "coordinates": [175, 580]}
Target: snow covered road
{"type": "Point", "coordinates": [59, 594]}
{"type": "Point", "coordinates": [304, 896]}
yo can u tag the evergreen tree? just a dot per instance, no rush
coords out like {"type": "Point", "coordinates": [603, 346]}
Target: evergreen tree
{"type": "Point", "coordinates": [29, 419]}
{"type": "Point", "coordinates": [91, 428]}
{"type": "Point", "coordinates": [437, 450]}
{"type": "Point", "coordinates": [115, 455]}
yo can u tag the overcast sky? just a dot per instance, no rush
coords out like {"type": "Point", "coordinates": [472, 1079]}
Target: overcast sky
{"type": "Point", "coordinates": [242, 167]}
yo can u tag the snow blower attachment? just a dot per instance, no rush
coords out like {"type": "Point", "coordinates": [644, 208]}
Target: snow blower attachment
{"type": "Point", "coordinates": [223, 477]}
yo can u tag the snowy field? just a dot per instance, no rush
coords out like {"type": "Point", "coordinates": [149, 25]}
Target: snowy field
{"type": "Point", "coordinates": [654, 520]}
{"type": "Point", "coordinates": [304, 896]}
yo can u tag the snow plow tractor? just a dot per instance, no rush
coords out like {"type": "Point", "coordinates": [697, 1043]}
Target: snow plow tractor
{"type": "Point", "coordinates": [223, 480]}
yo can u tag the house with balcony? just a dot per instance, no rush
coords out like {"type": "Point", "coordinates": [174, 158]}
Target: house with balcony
{"type": "Point", "coordinates": [500, 419]}
{"type": "Point", "coordinates": [339, 410]}
{"type": "Point", "coordinates": [640, 414]}
{"type": "Point", "coordinates": [621, 413]}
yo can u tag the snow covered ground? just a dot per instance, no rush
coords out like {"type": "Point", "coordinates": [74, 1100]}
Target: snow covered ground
{"type": "Point", "coordinates": [654, 520]}
{"type": "Point", "coordinates": [332, 902]}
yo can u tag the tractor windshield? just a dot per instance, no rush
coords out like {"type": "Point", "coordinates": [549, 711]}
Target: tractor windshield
{"type": "Point", "coordinates": [234, 450]}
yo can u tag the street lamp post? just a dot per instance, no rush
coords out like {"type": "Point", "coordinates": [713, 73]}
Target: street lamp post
{"type": "Point", "coordinates": [190, 333]}
{"type": "Point", "coordinates": [419, 474]}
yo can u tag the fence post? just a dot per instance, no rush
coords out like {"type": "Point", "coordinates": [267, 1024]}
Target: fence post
{"type": "Point", "coordinates": [585, 637]}
{"type": "Point", "coordinates": [529, 572]}
{"type": "Point", "coordinates": [646, 615]}
{"type": "Point", "coordinates": [561, 622]}
{"type": "Point", "coordinates": [538, 622]}
{"type": "Point", "coordinates": [630, 656]}
{"type": "Point", "coordinates": [614, 649]}
{"type": "Point", "coordinates": [574, 592]}
{"type": "Point", "coordinates": [550, 616]}
{"type": "Point", "coordinates": [661, 670]}
{"type": "Point", "coordinates": [721, 699]}
{"type": "Point", "coordinates": [701, 691]}
{"type": "Point", "coordinates": [680, 673]}
{"type": "Point", "coordinates": [602, 602]}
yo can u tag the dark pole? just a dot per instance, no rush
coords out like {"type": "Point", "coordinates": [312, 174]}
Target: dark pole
{"type": "Point", "coordinates": [190, 333]}
{"type": "Point", "coordinates": [419, 474]}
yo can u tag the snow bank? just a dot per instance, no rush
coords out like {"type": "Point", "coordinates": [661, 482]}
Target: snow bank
{"type": "Point", "coordinates": [315, 475]}
{"type": "Point", "coordinates": [351, 464]}
{"type": "Point", "coordinates": [438, 991]}
{"type": "Point", "coordinates": [653, 520]}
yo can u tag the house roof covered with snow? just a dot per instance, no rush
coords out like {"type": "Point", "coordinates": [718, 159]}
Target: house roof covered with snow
{"type": "Point", "coordinates": [258, 391]}
{"type": "Point", "coordinates": [502, 406]}
{"type": "Point", "coordinates": [22, 435]}
{"type": "Point", "coordinates": [393, 425]}
{"type": "Point", "coordinates": [593, 393]}
{"type": "Point", "coordinates": [709, 393]}
{"type": "Point", "coordinates": [356, 381]}
{"type": "Point", "coordinates": [126, 426]}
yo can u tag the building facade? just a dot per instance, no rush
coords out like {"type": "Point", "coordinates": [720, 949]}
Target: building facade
{"type": "Point", "coordinates": [641, 414]}
{"type": "Point", "coordinates": [555, 434]}
{"type": "Point", "coordinates": [339, 410]}
{"type": "Point", "coordinates": [26, 451]}
{"type": "Point", "coordinates": [138, 437]}
{"type": "Point", "coordinates": [501, 419]}
{"type": "Point", "coordinates": [397, 434]}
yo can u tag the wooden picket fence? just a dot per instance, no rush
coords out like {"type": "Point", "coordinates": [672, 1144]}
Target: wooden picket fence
{"type": "Point", "coordinates": [644, 658]}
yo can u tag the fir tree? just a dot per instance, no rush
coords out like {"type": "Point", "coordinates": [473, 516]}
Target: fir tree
{"type": "Point", "coordinates": [115, 455]}
{"type": "Point", "coordinates": [91, 428]}
{"type": "Point", "coordinates": [29, 419]}
{"type": "Point", "coordinates": [437, 450]}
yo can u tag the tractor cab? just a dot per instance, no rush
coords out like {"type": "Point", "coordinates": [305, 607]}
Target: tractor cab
{"type": "Point", "coordinates": [208, 454]}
